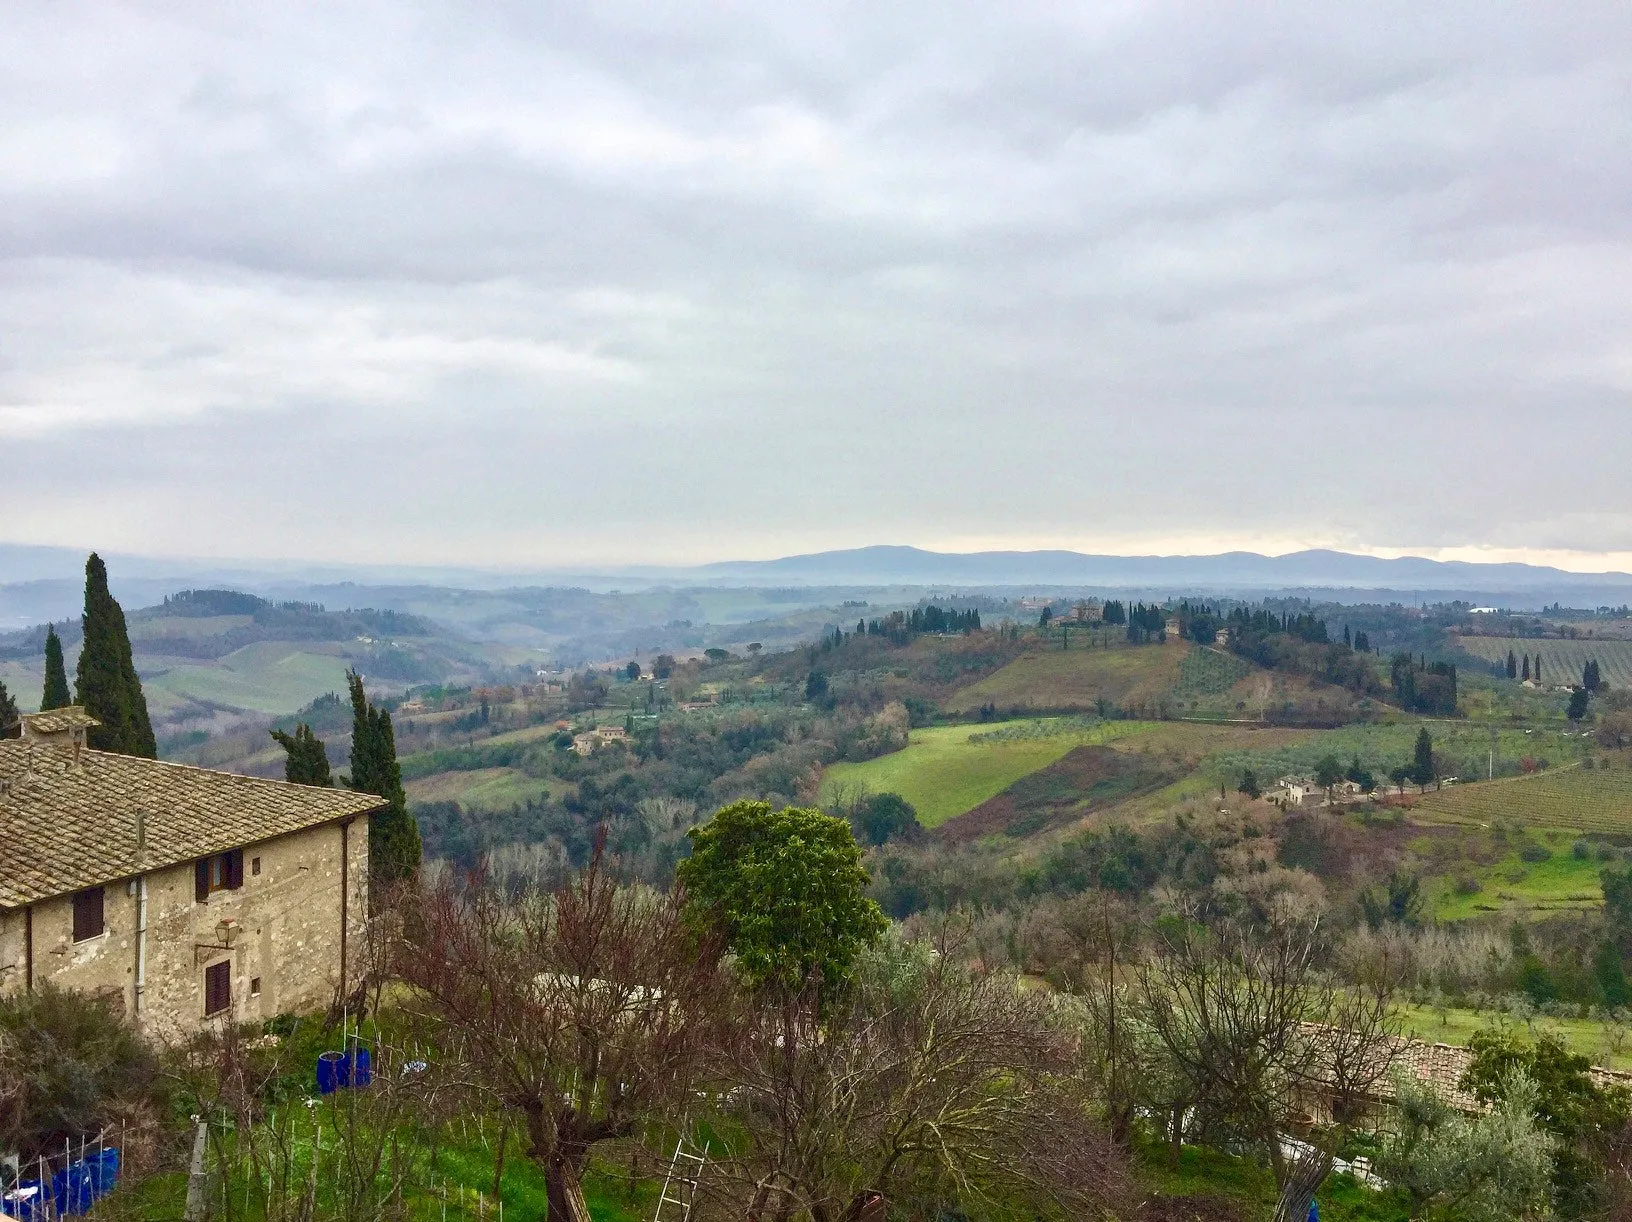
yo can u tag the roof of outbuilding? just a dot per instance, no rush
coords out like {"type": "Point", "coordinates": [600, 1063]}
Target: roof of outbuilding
{"type": "Point", "coordinates": [69, 819]}
{"type": "Point", "coordinates": [56, 721]}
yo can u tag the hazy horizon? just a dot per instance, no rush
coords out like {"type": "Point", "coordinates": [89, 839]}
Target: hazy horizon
{"type": "Point", "coordinates": [636, 284]}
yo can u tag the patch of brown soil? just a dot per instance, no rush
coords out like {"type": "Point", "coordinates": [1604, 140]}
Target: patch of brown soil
{"type": "Point", "coordinates": [1083, 780]}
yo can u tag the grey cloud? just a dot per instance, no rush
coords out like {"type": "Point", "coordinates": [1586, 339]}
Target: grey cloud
{"type": "Point", "coordinates": [644, 282]}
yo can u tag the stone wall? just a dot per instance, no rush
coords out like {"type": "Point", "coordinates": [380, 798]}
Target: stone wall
{"type": "Point", "coordinates": [280, 931]}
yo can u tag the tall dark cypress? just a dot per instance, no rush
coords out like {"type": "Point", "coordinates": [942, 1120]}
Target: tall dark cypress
{"type": "Point", "coordinates": [393, 837]}
{"type": "Point", "coordinates": [106, 683]}
{"type": "Point", "coordinates": [56, 674]}
{"type": "Point", "coordinates": [10, 724]}
{"type": "Point", "coordinates": [308, 759]}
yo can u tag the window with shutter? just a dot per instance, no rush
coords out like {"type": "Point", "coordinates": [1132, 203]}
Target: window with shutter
{"type": "Point", "coordinates": [218, 987]}
{"type": "Point", "coordinates": [223, 872]}
{"type": "Point", "coordinates": [88, 914]}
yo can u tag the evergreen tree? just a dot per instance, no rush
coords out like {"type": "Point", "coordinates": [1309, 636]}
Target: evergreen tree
{"type": "Point", "coordinates": [1512, 665]}
{"type": "Point", "coordinates": [1537, 671]}
{"type": "Point", "coordinates": [1249, 784]}
{"type": "Point", "coordinates": [106, 683]}
{"type": "Point", "coordinates": [56, 675]}
{"type": "Point", "coordinates": [393, 837]}
{"type": "Point", "coordinates": [1590, 676]}
{"type": "Point", "coordinates": [1423, 768]}
{"type": "Point", "coordinates": [1526, 675]}
{"type": "Point", "coordinates": [1578, 704]}
{"type": "Point", "coordinates": [10, 726]}
{"type": "Point", "coordinates": [308, 759]}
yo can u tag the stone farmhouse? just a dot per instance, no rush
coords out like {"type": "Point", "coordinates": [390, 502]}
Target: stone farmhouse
{"type": "Point", "coordinates": [185, 897]}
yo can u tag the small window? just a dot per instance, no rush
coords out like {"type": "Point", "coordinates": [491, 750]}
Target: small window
{"type": "Point", "coordinates": [222, 872]}
{"type": "Point", "coordinates": [254, 986]}
{"type": "Point", "coordinates": [88, 914]}
{"type": "Point", "coordinates": [218, 987]}
{"type": "Point", "coordinates": [255, 866]}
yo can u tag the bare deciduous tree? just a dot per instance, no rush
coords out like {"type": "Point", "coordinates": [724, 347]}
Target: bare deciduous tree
{"type": "Point", "coordinates": [584, 1012]}
{"type": "Point", "coordinates": [1269, 1044]}
{"type": "Point", "coordinates": [919, 1082]}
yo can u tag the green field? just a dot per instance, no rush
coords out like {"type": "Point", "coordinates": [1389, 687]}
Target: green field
{"type": "Point", "coordinates": [1561, 661]}
{"type": "Point", "coordinates": [272, 677]}
{"type": "Point", "coordinates": [1587, 800]}
{"type": "Point", "coordinates": [482, 788]}
{"type": "Point", "coordinates": [947, 770]}
{"type": "Point", "coordinates": [1519, 889]}
{"type": "Point", "coordinates": [1582, 1035]}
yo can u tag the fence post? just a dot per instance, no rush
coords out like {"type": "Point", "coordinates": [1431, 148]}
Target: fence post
{"type": "Point", "coordinates": [196, 1183]}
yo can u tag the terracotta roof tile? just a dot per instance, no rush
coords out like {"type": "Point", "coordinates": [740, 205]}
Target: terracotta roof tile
{"type": "Point", "coordinates": [70, 819]}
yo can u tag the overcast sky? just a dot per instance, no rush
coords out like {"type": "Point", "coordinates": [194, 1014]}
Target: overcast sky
{"type": "Point", "coordinates": [551, 284]}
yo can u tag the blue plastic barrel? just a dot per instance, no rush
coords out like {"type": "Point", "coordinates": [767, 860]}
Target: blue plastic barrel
{"type": "Point", "coordinates": [360, 1067]}
{"type": "Point", "coordinates": [73, 1190]}
{"type": "Point", "coordinates": [104, 1170]}
{"type": "Point", "coordinates": [331, 1072]}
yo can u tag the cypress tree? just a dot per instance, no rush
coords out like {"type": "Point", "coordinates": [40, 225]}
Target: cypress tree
{"type": "Point", "coordinates": [56, 674]}
{"type": "Point", "coordinates": [1512, 665]}
{"type": "Point", "coordinates": [308, 759]}
{"type": "Point", "coordinates": [10, 725]}
{"type": "Point", "coordinates": [1527, 666]}
{"type": "Point", "coordinates": [393, 837]}
{"type": "Point", "coordinates": [1423, 768]}
{"type": "Point", "coordinates": [106, 683]}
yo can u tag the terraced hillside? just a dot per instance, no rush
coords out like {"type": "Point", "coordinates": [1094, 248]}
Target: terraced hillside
{"type": "Point", "coordinates": [1584, 799]}
{"type": "Point", "coordinates": [1561, 661]}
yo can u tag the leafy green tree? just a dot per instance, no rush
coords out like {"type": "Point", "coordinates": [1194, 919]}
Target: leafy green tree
{"type": "Point", "coordinates": [886, 816]}
{"type": "Point", "coordinates": [1577, 708]}
{"type": "Point", "coordinates": [1491, 1167]}
{"type": "Point", "coordinates": [106, 683]}
{"type": "Point", "coordinates": [786, 890]}
{"type": "Point", "coordinates": [1423, 767]}
{"type": "Point", "coordinates": [632, 671]}
{"type": "Point", "coordinates": [393, 837]}
{"type": "Point", "coordinates": [1399, 903]}
{"type": "Point", "coordinates": [307, 761]}
{"type": "Point", "coordinates": [1328, 773]}
{"type": "Point", "coordinates": [1610, 975]}
{"type": "Point", "coordinates": [56, 694]}
{"type": "Point", "coordinates": [1583, 1117]}
{"type": "Point", "coordinates": [816, 687]}
{"type": "Point", "coordinates": [1249, 784]}
{"type": "Point", "coordinates": [10, 726]}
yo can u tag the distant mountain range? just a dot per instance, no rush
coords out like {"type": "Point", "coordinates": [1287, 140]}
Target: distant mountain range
{"type": "Point", "coordinates": [39, 583]}
{"type": "Point", "coordinates": [1228, 571]}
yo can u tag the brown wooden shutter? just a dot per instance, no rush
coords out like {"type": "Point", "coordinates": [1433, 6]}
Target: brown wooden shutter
{"type": "Point", "coordinates": [218, 987]}
{"type": "Point", "coordinates": [88, 914]}
{"type": "Point", "coordinates": [235, 869]}
{"type": "Point", "coordinates": [201, 879]}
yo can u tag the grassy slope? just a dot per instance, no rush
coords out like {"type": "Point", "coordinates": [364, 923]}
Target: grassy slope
{"type": "Point", "coordinates": [271, 677]}
{"type": "Point", "coordinates": [1519, 888]}
{"type": "Point", "coordinates": [481, 788]}
{"type": "Point", "coordinates": [942, 773]}
{"type": "Point", "coordinates": [1583, 1035]}
{"type": "Point", "coordinates": [1076, 678]}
